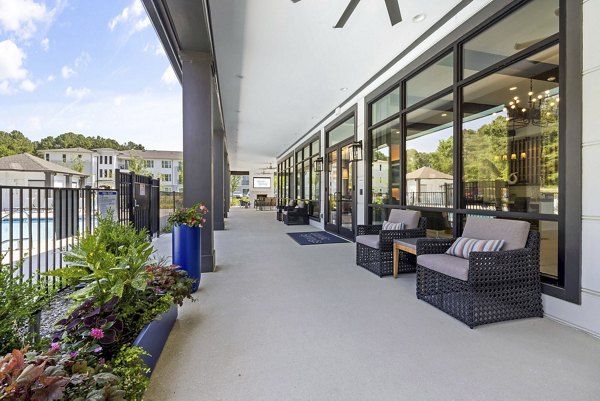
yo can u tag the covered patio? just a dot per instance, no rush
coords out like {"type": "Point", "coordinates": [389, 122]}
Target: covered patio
{"type": "Point", "coordinates": [280, 321]}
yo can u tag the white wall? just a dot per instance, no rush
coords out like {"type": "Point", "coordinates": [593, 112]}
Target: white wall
{"type": "Point", "coordinates": [587, 315]}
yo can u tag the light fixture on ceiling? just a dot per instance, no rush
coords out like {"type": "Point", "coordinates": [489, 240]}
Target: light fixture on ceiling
{"type": "Point", "coordinates": [551, 79]}
{"type": "Point", "coordinates": [444, 114]}
{"type": "Point", "coordinates": [512, 88]}
{"type": "Point", "coordinates": [344, 89]}
{"type": "Point", "coordinates": [419, 18]}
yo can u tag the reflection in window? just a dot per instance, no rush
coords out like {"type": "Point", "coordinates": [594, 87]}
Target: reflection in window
{"type": "Point", "coordinates": [428, 82]}
{"type": "Point", "coordinates": [385, 164]}
{"type": "Point", "coordinates": [529, 25]}
{"type": "Point", "coordinates": [385, 107]}
{"type": "Point", "coordinates": [510, 138]}
{"type": "Point", "coordinates": [429, 157]}
{"type": "Point", "coordinates": [341, 132]}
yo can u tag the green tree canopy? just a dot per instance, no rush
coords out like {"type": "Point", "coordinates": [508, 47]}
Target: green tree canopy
{"type": "Point", "coordinates": [14, 142]}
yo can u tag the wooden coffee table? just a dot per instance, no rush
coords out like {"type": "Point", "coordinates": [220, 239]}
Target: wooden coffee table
{"type": "Point", "coordinates": [408, 245]}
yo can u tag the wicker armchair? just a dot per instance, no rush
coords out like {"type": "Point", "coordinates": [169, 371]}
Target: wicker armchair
{"type": "Point", "coordinates": [374, 245]}
{"type": "Point", "coordinates": [488, 286]}
{"type": "Point", "coordinates": [296, 215]}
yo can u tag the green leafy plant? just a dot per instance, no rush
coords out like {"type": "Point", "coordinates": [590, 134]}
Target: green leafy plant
{"type": "Point", "coordinates": [130, 367]}
{"type": "Point", "coordinates": [20, 300]}
{"type": "Point", "coordinates": [192, 216]}
{"type": "Point", "coordinates": [171, 280]}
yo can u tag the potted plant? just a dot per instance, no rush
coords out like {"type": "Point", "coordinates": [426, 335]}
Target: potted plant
{"type": "Point", "coordinates": [187, 224]}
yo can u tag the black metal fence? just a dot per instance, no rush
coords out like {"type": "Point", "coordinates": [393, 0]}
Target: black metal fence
{"type": "Point", "coordinates": [169, 202]}
{"type": "Point", "coordinates": [139, 201]}
{"type": "Point", "coordinates": [40, 223]}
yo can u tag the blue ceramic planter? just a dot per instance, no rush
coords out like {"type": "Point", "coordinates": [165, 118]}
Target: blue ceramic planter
{"type": "Point", "coordinates": [154, 336]}
{"type": "Point", "coordinates": [186, 251]}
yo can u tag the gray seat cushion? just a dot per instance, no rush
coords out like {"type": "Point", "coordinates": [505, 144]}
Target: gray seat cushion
{"type": "Point", "coordinates": [410, 218]}
{"type": "Point", "coordinates": [446, 264]}
{"type": "Point", "coordinates": [513, 232]}
{"type": "Point", "coordinates": [372, 241]}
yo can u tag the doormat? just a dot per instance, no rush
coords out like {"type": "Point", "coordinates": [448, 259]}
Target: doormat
{"type": "Point", "coordinates": [316, 237]}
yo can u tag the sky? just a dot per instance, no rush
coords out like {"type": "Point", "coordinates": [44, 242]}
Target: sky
{"type": "Point", "coordinates": [89, 67]}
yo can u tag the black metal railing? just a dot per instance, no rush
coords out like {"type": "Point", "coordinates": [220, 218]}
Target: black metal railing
{"type": "Point", "coordinates": [40, 223]}
{"type": "Point", "coordinates": [139, 201]}
{"type": "Point", "coordinates": [169, 202]}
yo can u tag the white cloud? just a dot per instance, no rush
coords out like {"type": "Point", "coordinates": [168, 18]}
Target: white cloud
{"type": "Point", "coordinates": [83, 60]}
{"type": "Point", "coordinates": [67, 72]}
{"type": "Point", "coordinates": [160, 50]}
{"type": "Point", "coordinates": [22, 16]}
{"type": "Point", "coordinates": [132, 14]}
{"type": "Point", "coordinates": [77, 93]}
{"type": "Point", "coordinates": [169, 77]}
{"type": "Point", "coordinates": [28, 86]}
{"type": "Point", "coordinates": [50, 78]}
{"type": "Point", "coordinates": [156, 49]}
{"type": "Point", "coordinates": [11, 61]}
{"type": "Point", "coordinates": [4, 88]}
{"type": "Point", "coordinates": [45, 43]}
{"type": "Point", "coordinates": [118, 100]}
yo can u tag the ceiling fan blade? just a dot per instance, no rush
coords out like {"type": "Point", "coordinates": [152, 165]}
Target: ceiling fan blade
{"type": "Point", "coordinates": [526, 44]}
{"type": "Point", "coordinates": [347, 13]}
{"type": "Point", "coordinates": [393, 9]}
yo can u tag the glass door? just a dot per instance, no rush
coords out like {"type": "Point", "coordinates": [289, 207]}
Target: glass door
{"type": "Point", "coordinates": [340, 191]}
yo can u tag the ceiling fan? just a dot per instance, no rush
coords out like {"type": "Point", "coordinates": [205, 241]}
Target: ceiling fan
{"type": "Point", "coordinates": [527, 43]}
{"type": "Point", "coordinates": [393, 9]}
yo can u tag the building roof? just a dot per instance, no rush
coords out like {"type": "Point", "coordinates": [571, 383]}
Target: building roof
{"type": "Point", "coordinates": [64, 150]}
{"type": "Point", "coordinates": [105, 150]}
{"type": "Point", "coordinates": [29, 163]}
{"type": "Point", "coordinates": [152, 154]}
{"type": "Point", "coordinates": [427, 173]}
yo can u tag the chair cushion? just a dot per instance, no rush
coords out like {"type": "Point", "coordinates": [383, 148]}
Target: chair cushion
{"type": "Point", "coordinates": [513, 232]}
{"type": "Point", "coordinates": [410, 218]}
{"type": "Point", "coordinates": [446, 264]}
{"type": "Point", "coordinates": [301, 204]}
{"type": "Point", "coordinates": [292, 203]}
{"type": "Point", "coordinates": [392, 226]}
{"type": "Point", "coordinates": [463, 246]}
{"type": "Point", "coordinates": [372, 241]}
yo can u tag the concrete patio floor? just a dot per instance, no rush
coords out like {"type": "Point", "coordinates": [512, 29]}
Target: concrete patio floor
{"type": "Point", "coordinates": [280, 321]}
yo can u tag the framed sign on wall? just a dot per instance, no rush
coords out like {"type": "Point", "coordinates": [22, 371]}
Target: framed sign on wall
{"type": "Point", "coordinates": [261, 182]}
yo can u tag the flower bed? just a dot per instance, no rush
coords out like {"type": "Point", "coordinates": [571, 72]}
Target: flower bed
{"type": "Point", "coordinates": [103, 347]}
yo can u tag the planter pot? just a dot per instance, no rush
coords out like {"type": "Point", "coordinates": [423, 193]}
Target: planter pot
{"type": "Point", "coordinates": [187, 251]}
{"type": "Point", "coordinates": [154, 335]}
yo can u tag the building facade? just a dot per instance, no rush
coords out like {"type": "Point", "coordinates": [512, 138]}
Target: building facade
{"type": "Point", "coordinates": [101, 164]}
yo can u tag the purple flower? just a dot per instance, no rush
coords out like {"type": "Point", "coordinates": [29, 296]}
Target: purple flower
{"type": "Point", "coordinates": [97, 349]}
{"type": "Point", "coordinates": [73, 354]}
{"type": "Point", "coordinates": [55, 346]}
{"type": "Point", "coordinates": [101, 361]}
{"type": "Point", "coordinates": [96, 333]}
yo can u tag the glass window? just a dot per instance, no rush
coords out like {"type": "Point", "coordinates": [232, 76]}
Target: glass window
{"type": "Point", "coordinates": [385, 164]}
{"type": "Point", "coordinates": [385, 107]}
{"type": "Point", "coordinates": [315, 190]}
{"type": "Point", "coordinates": [316, 147]}
{"type": "Point", "coordinates": [48, 156]}
{"type": "Point", "coordinates": [527, 26]}
{"type": "Point", "coordinates": [430, 81]}
{"type": "Point", "coordinates": [429, 154]}
{"type": "Point", "coordinates": [341, 132]}
{"type": "Point", "coordinates": [510, 138]}
{"type": "Point", "coordinates": [165, 164]}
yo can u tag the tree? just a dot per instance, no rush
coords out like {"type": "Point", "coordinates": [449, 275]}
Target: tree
{"type": "Point", "coordinates": [138, 166]}
{"type": "Point", "coordinates": [235, 182]}
{"type": "Point", "coordinates": [72, 140]}
{"type": "Point", "coordinates": [76, 164]}
{"type": "Point", "coordinates": [14, 143]}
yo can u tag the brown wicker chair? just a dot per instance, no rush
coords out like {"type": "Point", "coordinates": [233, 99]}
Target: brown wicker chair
{"type": "Point", "coordinates": [489, 286]}
{"type": "Point", "coordinates": [374, 245]}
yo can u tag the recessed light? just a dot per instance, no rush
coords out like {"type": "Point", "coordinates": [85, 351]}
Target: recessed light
{"type": "Point", "coordinates": [344, 89]}
{"type": "Point", "coordinates": [512, 88]}
{"type": "Point", "coordinates": [444, 114]}
{"type": "Point", "coordinates": [419, 18]}
{"type": "Point", "coordinates": [240, 76]}
{"type": "Point", "coordinates": [551, 79]}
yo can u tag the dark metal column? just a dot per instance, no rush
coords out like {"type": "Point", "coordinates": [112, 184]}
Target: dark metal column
{"type": "Point", "coordinates": [219, 180]}
{"type": "Point", "coordinates": [198, 89]}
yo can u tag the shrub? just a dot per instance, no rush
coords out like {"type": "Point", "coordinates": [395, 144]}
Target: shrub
{"type": "Point", "coordinates": [130, 367]}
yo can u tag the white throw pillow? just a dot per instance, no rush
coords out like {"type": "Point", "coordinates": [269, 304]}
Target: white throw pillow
{"type": "Point", "coordinates": [463, 246]}
{"type": "Point", "coordinates": [392, 226]}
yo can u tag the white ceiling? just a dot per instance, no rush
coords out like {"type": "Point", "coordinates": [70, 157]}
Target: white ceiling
{"type": "Point", "coordinates": [282, 66]}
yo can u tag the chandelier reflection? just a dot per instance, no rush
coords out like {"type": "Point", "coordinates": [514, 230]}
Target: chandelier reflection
{"type": "Point", "coordinates": [536, 110]}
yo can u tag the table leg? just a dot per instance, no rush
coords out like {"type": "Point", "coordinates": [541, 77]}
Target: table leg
{"type": "Point", "coordinates": [395, 250]}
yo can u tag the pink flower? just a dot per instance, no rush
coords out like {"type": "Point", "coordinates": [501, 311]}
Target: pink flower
{"type": "Point", "coordinates": [97, 349]}
{"type": "Point", "coordinates": [96, 333]}
{"type": "Point", "coordinates": [101, 361]}
{"type": "Point", "coordinates": [73, 354]}
{"type": "Point", "coordinates": [55, 346]}
{"type": "Point", "coordinates": [204, 220]}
